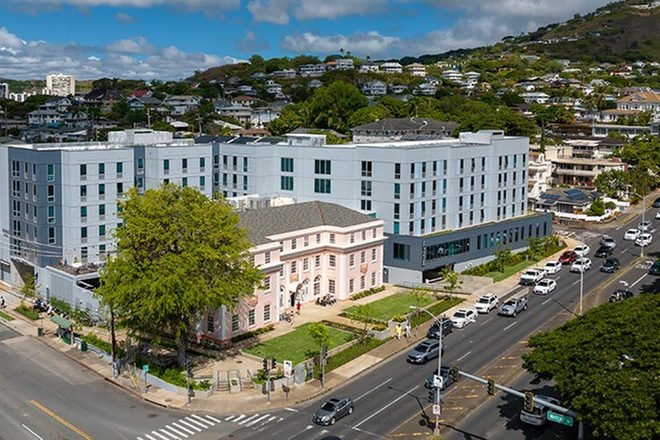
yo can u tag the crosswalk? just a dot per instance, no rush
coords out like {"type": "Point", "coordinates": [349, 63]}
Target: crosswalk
{"type": "Point", "coordinates": [182, 428]}
{"type": "Point", "coordinates": [193, 424]}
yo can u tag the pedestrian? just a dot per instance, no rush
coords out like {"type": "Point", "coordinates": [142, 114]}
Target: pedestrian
{"type": "Point", "coordinates": [3, 304]}
{"type": "Point", "coordinates": [407, 329]}
{"type": "Point", "coordinates": [397, 331]}
{"type": "Point", "coordinates": [298, 306]}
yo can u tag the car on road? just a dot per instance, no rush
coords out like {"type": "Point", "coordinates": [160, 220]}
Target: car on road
{"type": "Point", "coordinates": [631, 234]}
{"type": "Point", "coordinates": [487, 303]}
{"type": "Point", "coordinates": [514, 306]}
{"type": "Point", "coordinates": [582, 250]}
{"type": "Point", "coordinates": [539, 415]}
{"type": "Point", "coordinates": [656, 203]}
{"type": "Point", "coordinates": [655, 268]}
{"type": "Point", "coordinates": [657, 215]}
{"type": "Point", "coordinates": [620, 295]}
{"type": "Point", "coordinates": [581, 265]}
{"type": "Point", "coordinates": [333, 410]}
{"type": "Point", "coordinates": [610, 265]}
{"type": "Point", "coordinates": [608, 241]}
{"type": "Point", "coordinates": [446, 378]}
{"type": "Point", "coordinates": [545, 286]}
{"type": "Point", "coordinates": [645, 226]}
{"type": "Point", "coordinates": [644, 240]}
{"type": "Point", "coordinates": [552, 267]}
{"type": "Point", "coordinates": [434, 330]}
{"type": "Point", "coordinates": [603, 252]}
{"type": "Point", "coordinates": [531, 276]}
{"type": "Point", "coordinates": [568, 257]}
{"type": "Point", "coordinates": [425, 351]}
{"type": "Point", "coordinates": [463, 317]}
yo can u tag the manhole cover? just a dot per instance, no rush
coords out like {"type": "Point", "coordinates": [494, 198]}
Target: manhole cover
{"type": "Point", "coordinates": [151, 416]}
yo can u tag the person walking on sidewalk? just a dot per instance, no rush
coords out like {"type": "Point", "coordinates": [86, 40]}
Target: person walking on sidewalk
{"type": "Point", "coordinates": [397, 331]}
{"type": "Point", "coordinates": [298, 306]}
{"type": "Point", "coordinates": [3, 304]}
{"type": "Point", "coordinates": [407, 329]}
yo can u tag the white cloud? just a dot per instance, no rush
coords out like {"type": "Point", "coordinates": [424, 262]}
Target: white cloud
{"type": "Point", "coordinates": [23, 59]}
{"type": "Point", "coordinates": [270, 11]}
{"type": "Point", "coordinates": [190, 4]}
{"type": "Point", "coordinates": [124, 18]}
{"type": "Point", "coordinates": [369, 43]}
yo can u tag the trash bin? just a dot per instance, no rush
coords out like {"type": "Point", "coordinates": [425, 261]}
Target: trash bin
{"type": "Point", "coordinates": [40, 331]}
{"type": "Point", "coordinates": [83, 345]}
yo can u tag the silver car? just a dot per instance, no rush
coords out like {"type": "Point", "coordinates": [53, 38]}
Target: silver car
{"type": "Point", "coordinates": [333, 410]}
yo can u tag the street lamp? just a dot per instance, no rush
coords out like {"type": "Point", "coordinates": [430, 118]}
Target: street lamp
{"type": "Point", "coordinates": [436, 429]}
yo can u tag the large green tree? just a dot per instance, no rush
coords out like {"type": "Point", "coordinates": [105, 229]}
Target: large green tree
{"type": "Point", "coordinates": [606, 364]}
{"type": "Point", "coordinates": [179, 255]}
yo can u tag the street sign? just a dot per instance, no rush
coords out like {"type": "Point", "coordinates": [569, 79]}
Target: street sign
{"type": "Point", "coordinates": [437, 381]}
{"type": "Point", "coordinates": [437, 409]}
{"type": "Point", "coordinates": [145, 368]}
{"type": "Point", "coordinates": [288, 368]}
{"type": "Point", "coordinates": [560, 418]}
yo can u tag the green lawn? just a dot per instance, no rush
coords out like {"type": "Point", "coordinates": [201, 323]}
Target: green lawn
{"type": "Point", "coordinates": [396, 304]}
{"type": "Point", "coordinates": [297, 345]}
{"type": "Point", "coordinates": [6, 317]}
{"type": "Point", "coordinates": [509, 270]}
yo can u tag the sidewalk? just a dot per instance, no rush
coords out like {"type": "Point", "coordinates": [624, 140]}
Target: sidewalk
{"type": "Point", "coordinates": [249, 401]}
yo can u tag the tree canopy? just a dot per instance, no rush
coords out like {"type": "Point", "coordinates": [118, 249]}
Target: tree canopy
{"type": "Point", "coordinates": [179, 255]}
{"type": "Point", "coordinates": [606, 364]}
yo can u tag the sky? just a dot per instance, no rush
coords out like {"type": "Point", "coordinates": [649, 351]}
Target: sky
{"type": "Point", "coordinates": [170, 39]}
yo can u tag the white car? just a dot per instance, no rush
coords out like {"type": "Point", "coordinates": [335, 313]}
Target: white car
{"type": "Point", "coordinates": [487, 303]}
{"type": "Point", "coordinates": [463, 317]}
{"type": "Point", "coordinates": [645, 226]}
{"type": "Point", "coordinates": [631, 234]}
{"type": "Point", "coordinates": [581, 265]}
{"type": "Point", "coordinates": [552, 267]}
{"type": "Point", "coordinates": [582, 250]}
{"type": "Point", "coordinates": [644, 240]}
{"type": "Point", "coordinates": [545, 286]}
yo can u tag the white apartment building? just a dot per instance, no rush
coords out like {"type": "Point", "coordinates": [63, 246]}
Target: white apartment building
{"type": "Point", "coordinates": [4, 91]}
{"type": "Point", "coordinates": [61, 85]}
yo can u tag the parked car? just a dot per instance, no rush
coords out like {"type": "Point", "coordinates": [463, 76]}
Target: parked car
{"type": "Point", "coordinates": [531, 276]}
{"type": "Point", "coordinates": [631, 234]}
{"type": "Point", "coordinates": [582, 250]}
{"type": "Point", "coordinates": [603, 252]}
{"type": "Point", "coordinates": [545, 286]}
{"type": "Point", "coordinates": [620, 295]}
{"type": "Point", "coordinates": [514, 306]}
{"type": "Point", "coordinates": [610, 265]}
{"type": "Point", "coordinates": [608, 241]}
{"type": "Point", "coordinates": [539, 415]}
{"type": "Point", "coordinates": [581, 265]}
{"type": "Point", "coordinates": [463, 317]}
{"type": "Point", "coordinates": [434, 330]}
{"type": "Point", "coordinates": [425, 351]}
{"type": "Point", "coordinates": [552, 267]}
{"type": "Point", "coordinates": [645, 226]}
{"type": "Point", "coordinates": [656, 203]}
{"type": "Point", "coordinates": [655, 268]}
{"type": "Point", "coordinates": [568, 257]}
{"type": "Point", "coordinates": [487, 303]}
{"type": "Point", "coordinates": [644, 240]}
{"type": "Point", "coordinates": [333, 410]}
{"type": "Point", "coordinates": [446, 378]}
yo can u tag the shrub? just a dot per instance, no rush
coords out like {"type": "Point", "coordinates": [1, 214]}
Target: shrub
{"type": "Point", "coordinates": [253, 333]}
{"type": "Point", "coordinates": [175, 377]}
{"type": "Point", "coordinates": [348, 354]}
{"type": "Point", "coordinates": [380, 327]}
{"type": "Point", "coordinates": [28, 312]}
{"type": "Point", "coordinates": [399, 318]}
{"type": "Point", "coordinates": [102, 345]}
{"type": "Point", "coordinates": [367, 292]}
{"type": "Point", "coordinates": [340, 326]}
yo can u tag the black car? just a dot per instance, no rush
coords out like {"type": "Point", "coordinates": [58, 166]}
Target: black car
{"type": "Point", "coordinates": [620, 295]}
{"type": "Point", "coordinates": [446, 378]}
{"type": "Point", "coordinates": [604, 252]}
{"type": "Point", "coordinates": [655, 268]}
{"type": "Point", "coordinates": [656, 203]}
{"type": "Point", "coordinates": [610, 265]}
{"type": "Point", "coordinates": [333, 410]}
{"type": "Point", "coordinates": [447, 327]}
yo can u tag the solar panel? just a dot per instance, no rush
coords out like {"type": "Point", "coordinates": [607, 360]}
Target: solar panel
{"type": "Point", "coordinates": [549, 196]}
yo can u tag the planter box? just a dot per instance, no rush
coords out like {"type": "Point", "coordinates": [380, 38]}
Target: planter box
{"type": "Point", "coordinates": [382, 334]}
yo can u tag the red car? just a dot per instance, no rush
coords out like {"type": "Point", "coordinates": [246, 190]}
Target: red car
{"type": "Point", "coordinates": [568, 257]}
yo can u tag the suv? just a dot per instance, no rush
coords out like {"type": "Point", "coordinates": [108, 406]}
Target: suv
{"type": "Point", "coordinates": [603, 252]}
{"type": "Point", "coordinates": [655, 268]}
{"type": "Point", "coordinates": [568, 257]}
{"type": "Point", "coordinates": [608, 241]}
{"type": "Point", "coordinates": [425, 351]}
{"type": "Point", "coordinates": [487, 303]}
{"type": "Point", "coordinates": [446, 378]}
{"type": "Point", "coordinates": [514, 306]}
{"type": "Point", "coordinates": [532, 276]}
{"type": "Point", "coordinates": [447, 327]}
{"type": "Point", "coordinates": [539, 414]}
{"type": "Point", "coordinates": [656, 203]}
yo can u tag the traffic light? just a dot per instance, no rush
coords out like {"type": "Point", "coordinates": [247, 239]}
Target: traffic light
{"type": "Point", "coordinates": [528, 403]}
{"type": "Point", "coordinates": [491, 386]}
{"type": "Point", "coordinates": [266, 364]}
{"type": "Point", "coordinates": [454, 373]}
{"type": "Point", "coordinates": [274, 363]}
{"type": "Point", "coordinates": [431, 397]}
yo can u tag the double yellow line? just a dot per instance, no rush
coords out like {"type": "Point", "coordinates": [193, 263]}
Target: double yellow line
{"type": "Point", "coordinates": [61, 420]}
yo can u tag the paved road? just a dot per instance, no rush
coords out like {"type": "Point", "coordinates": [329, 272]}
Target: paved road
{"type": "Point", "coordinates": [393, 392]}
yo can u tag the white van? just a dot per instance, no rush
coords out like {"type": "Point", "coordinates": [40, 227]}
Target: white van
{"type": "Point", "coordinates": [539, 415]}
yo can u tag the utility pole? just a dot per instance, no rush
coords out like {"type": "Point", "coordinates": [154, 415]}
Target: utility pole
{"type": "Point", "coordinates": [324, 355]}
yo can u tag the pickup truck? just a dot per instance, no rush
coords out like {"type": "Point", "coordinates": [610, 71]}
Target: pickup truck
{"type": "Point", "coordinates": [532, 276]}
{"type": "Point", "coordinates": [514, 306]}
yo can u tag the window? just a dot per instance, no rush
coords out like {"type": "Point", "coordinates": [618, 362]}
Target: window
{"type": "Point", "coordinates": [322, 166]}
{"type": "Point", "coordinates": [83, 212]}
{"type": "Point", "coordinates": [447, 249]}
{"type": "Point", "coordinates": [210, 323]}
{"type": "Point", "coordinates": [266, 312]}
{"type": "Point", "coordinates": [140, 165]}
{"type": "Point", "coordinates": [363, 283]}
{"type": "Point", "coordinates": [332, 261]}
{"type": "Point", "coordinates": [101, 230]}
{"type": "Point", "coordinates": [16, 168]}
{"type": "Point", "coordinates": [101, 169]}
{"type": "Point", "coordinates": [202, 181]}
{"type": "Point", "coordinates": [83, 232]}
{"type": "Point", "coordinates": [306, 241]}
{"type": "Point", "coordinates": [83, 190]}
{"type": "Point", "coordinates": [245, 183]}
{"type": "Point", "coordinates": [286, 164]}
{"type": "Point", "coordinates": [119, 167]}
{"type": "Point", "coordinates": [366, 168]}
{"type": "Point", "coordinates": [51, 235]}
{"type": "Point", "coordinates": [184, 164]}
{"type": "Point", "coordinates": [101, 189]}
{"type": "Point", "coordinates": [318, 238]}
{"type": "Point", "coordinates": [374, 254]}
{"type": "Point", "coordinates": [401, 252]}
{"type": "Point", "coordinates": [202, 163]}
{"type": "Point", "coordinates": [366, 188]}
{"type": "Point", "coordinates": [251, 318]}
{"type": "Point", "coordinates": [397, 191]}
{"type": "Point", "coordinates": [351, 285]}
{"type": "Point", "coordinates": [83, 170]}
{"type": "Point", "coordinates": [267, 258]}
{"type": "Point", "coordinates": [286, 183]}
{"type": "Point", "coordinates": [373, 279]}
{"type": "Point", "coordinates": [332, 238]}
{"type": "Point", "coordinates": [51, 214]}
{"type": "Point", "coordinates": [51, 193]}
{"type": "Point", "coordinates": [51, 172]}
{"type": "Point", "coordinates": [317, 261]}
{"type": "Point", "coordinates": [294, 243]}
{"type": "Point", "coordinates": [331, 286]}
{"type": "Point", "coordinates": [166, 165]}
{"type": "Point", "coordinates": [322, 186]}
{"type": "Point", "coordinates": [351, 260]}
{"type": "Point", "coordinates": [317, 286]}
{"type": "Point", "coordinates": [305, 264]}
{"type": "Point", "coordinates": [184, 181]}
{"type": "Point", "coordinates": [15, 188]}
{"type": "Point", "coordinates": [294, 267]}
{"type": "Point", "coordinates": [234, 323]}
{"type": "Point", "coordinates": [397, 170]}
{"type": "Point", "coordinates": [363, 257]}
{"type": "Point", "coordinates": [352, 237]}
{"type": "Point", "coordinates": [365, 205]}
{"type": "Point", "coordinates": [84, 253]}
{"type": "Point", "coordinates": [120, 188]}
{"type": "Point", "coordinates": [266, 283]}
{"type": "Point", "coordinates": [101, 210]}
{"type": "Point", "coordinates": [245, 164]}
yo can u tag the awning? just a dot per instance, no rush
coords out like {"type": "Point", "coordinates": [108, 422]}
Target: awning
{"type": "Point", "coordinates": [62, 322]}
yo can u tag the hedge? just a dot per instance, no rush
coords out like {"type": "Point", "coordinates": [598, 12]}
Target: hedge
{"type": "Point", "coordinates": [28, 312]}
{"type": "Point", "coordinates": [367, 292]}
{"type": "Point", "coordinates": [350, 353]}
{"type": "Point", "coordinates": [253, 333]}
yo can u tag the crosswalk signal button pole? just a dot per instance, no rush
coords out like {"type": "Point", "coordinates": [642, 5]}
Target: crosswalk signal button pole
{"type": "Point", "coordinates": [528, 403]}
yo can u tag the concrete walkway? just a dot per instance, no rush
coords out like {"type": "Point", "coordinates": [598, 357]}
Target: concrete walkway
{"type": "Point", "coordinates": [248, 401]}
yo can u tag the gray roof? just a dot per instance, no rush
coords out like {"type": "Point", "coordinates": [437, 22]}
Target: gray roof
{"type": "Point", "coordinates": [262, 223]}
{"type": "Point", "coordinates": [404, 124]}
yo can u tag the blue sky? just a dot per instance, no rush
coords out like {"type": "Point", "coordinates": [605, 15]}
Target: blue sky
{"type": "Point", "coordinates": [170, 39]}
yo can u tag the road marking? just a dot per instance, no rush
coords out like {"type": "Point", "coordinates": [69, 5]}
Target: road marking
{"type": "Point", "coordinates": [509, 326]}
{"type": "Point", "coordinates": [169, 433]}
{"type": "Point", "coordinates": [625, 284]}
{"type": "Point", "coordinates": [183, 429]}
{"type": "Point", "coordinates": [386, 406]}
{"type": "Point", "coordinates": [177, 432]}
{"type": "Point", "coordinates": [249, 418]}
{"type": "Point", "coordinates": [307, 428]}
{"type": "Point", "coordinates": [160, 435]}
{"type": "Point", "coordinates": [546, 301]}
{"type": "Point", "coordinates": [461, 358]}
{"type": "Point", "coordinates": [371, 390]}
{"type": "Point", "coordinates": [291, 409]}
{"type": "Point", "coordinates": [150, 437]}
{"type": "Point", "coordinates": [61, 420]}
{"type": "Point", "coordinates": [191, 420]}
{"type": "Point", "coordinates": [185, 422]}
{"type": "Point", "coordinates": [576, 282]}
{"type": "Point", "coordinates": [640, 279]}
{"type": "Point", "coordinates": [213, 418]}
{"type": "Point", "coordinates": [31, 432]}
{"type": "Point", "coordinates": [484, 323]}
{"type": "Point", "coordinates": [196, 417]}
{"type": "Point", "coordinates": [254, 422]}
